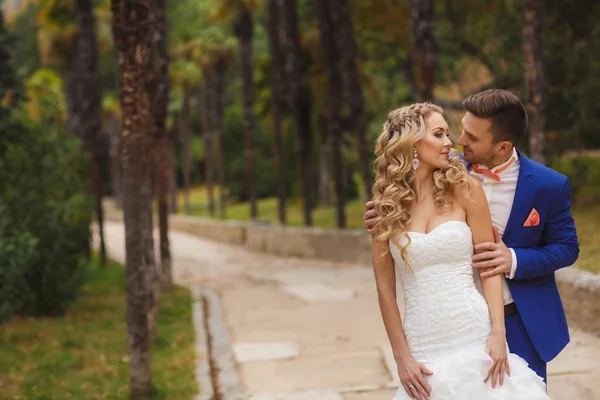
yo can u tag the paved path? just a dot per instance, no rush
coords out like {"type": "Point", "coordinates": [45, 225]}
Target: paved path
{"type": "Point", "coordinates": [307, 329]}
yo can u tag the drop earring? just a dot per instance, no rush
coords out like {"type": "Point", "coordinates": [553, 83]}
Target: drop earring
{"type": "Point", "coordinates": [415, 163]}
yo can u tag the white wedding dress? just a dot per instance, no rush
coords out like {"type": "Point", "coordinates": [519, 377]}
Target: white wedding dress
{"type": "Point", "coordinates": [447, 322]}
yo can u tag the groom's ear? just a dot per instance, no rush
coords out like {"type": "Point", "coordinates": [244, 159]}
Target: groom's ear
{"type": "Point", "coordinates": [504, 147]}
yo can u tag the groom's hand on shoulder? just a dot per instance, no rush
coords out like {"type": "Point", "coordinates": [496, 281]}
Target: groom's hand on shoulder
{"type": "Point", "coordinates": [494, 256]}
{"type": "Point", "coordinates": [370, 218]}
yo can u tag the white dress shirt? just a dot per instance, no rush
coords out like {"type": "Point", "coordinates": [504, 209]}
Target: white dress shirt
{"type": "Point", "coordinates": [500, 197]}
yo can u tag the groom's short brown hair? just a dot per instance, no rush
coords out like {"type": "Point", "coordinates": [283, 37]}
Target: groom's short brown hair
{"type": "Point", "coordinates": [503, 109]}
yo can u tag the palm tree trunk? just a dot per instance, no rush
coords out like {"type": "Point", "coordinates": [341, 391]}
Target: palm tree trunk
{"type": "Point", "coordinates": [300, 102]}
{"type": "Point", "coordinates": [422, 27]}
{"type": "Point", "coordinates": [324, 178]}
{"type": "Point", "coordinates": [344, 35]}
{"type": "Point", "coordinates": [534, 77]}
{"type": "Point", "coordinates": [244, 27]}
{"type": "Point", "coordinates": [330, 55]}
{"type": "Point", "coordinates": [132, 35]}
{"type": "Point", "coordinates": [162, 145]}
{"type": "Point", "coordinates": [173, 167]}
{"type": "Point", "coordinates": [205, 111]}
{"type": "Point", "coordinates": [85, 102]}
{"type": "Point", "coordinates": [276, 100]}
{"type": "Point", "coordinates": [114, 157]}
{"type": "Point", "coordinates": [184, 142]}
{"type": "Point", "coordinates": [221, 70]}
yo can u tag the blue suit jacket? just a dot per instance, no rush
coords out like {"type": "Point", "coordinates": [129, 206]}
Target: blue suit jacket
{"type": "Point", "coordinates": [540, 251]}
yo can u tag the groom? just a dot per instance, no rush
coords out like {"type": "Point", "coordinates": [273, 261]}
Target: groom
{"type": "Point", "coordinates": [530, 207]}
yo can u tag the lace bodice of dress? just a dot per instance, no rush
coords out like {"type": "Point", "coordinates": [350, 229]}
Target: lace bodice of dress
{"type": "Point", "coordinates": [444, 310]}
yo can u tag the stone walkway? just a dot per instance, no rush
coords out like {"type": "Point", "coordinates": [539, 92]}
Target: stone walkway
{"type": "Point", "coordinates": [307, 329]}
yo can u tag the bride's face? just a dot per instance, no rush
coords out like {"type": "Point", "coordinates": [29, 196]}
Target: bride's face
{"type": "Point", "coordinates": [434, 148]}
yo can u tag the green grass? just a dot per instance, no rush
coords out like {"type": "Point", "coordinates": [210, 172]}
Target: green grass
{"type": "Point", "coordinates": [83, 355]}
{"type": "Point", "coordinates": [323, 217]}
{"type": "Point", "coordinates": [588, 232]}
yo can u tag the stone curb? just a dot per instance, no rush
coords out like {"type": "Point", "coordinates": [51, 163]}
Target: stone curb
{"type": "Point", "coordinates": [227, 377]}
{"type": "Point", "coordinates": [202, 366]}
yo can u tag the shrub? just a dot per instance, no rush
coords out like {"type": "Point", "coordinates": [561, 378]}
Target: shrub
{"type": "Point", "coordinates": [44, 218]}
{"type": "Point", "coordinates": [584, 175]}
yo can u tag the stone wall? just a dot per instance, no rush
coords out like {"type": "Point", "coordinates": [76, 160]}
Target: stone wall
{"type": "Point", "coordinates": [352, 246]}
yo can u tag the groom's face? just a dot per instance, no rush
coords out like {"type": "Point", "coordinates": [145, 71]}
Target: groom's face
{"type": "Point", "coordinates": [477, 139]}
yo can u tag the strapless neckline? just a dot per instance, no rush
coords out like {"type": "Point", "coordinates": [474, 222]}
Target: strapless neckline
{"type": "Point", "coordinates": [437, 227]}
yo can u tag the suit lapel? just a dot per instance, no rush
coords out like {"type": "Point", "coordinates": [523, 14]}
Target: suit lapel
{"type": "Point", "coordinates": [524, 183]}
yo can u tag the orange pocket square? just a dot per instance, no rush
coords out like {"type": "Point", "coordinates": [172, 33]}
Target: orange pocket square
{"type": "Point", "coordinates": [533, 219]}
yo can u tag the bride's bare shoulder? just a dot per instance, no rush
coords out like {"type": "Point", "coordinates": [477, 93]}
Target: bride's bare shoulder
{"type": "Point", "coordinates": [469, 190]}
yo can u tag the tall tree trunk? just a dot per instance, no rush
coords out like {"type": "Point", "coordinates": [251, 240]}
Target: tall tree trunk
{"type": "Point", "coordinates": [219, 109]}
{"type": "Point", "coordinates": [160, 93]}
{"type": "Point", "coordinates": [300, 102]}
{"type": "Point", "coordinates": [114, 157]}
{"type": "Point", "coordinates": [184, 143]}
{"type": "Point", "coordinates": [244, 30]}
{"type": "Point", "coordinates": [132, 33]}
{"type": "Point", "coordinates": [346, 43]}
{"type": "Point", "coordinates": [86, 104]}
{"type": "Point", "coordinates": [534, 77]}
{"type": "Point", "coordinates": [324, 178]}
{"type": "Point", "coordinates": [424, 44]}
{"type": "Point", "coordinates": [329, 53]}
{"type": "Point", "coordinates": [206, 104]}
{"type": "Point", "coordinates": [173, 165]}
{"type": "Point", "coordinates": [277, 62]}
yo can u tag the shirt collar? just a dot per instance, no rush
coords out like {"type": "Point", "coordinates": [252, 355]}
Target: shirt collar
{"type": "Point", "coordinates": [515, 155]}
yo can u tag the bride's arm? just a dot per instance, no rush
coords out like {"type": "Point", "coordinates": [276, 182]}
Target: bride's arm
{"type": "Point", "coordinates": [480, 222]}
{"type": "Point", "coordinates": [409, 370]}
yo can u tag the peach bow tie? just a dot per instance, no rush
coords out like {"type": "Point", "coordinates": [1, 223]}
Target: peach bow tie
{"type": "Point", "coordinates": [494, 175]}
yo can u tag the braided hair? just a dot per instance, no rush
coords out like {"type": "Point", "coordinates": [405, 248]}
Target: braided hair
{"type": "Point", "coordinates": [394, 188]}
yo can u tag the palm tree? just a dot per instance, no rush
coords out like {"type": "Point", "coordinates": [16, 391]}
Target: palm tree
{"type": "Point", "coordinates": [277, 62]}
{"type": "Point", "coordinates": [346, 43]}
{"type": "Point", "coordinates": [221, 68]}
{"type": "Point", "coordinates": [243, 27]}
{"type": "Point", "coordinates": [330, 56]}
{"type": "Point", "coordinates": [534, 77]}
{"type": "Point", "coordinates": [206, 105]}
{"type": "Point", "coordinates": [70, 33]}
{"type": "Point", "coordinates": [89, 103]}
{"type": "Point", "coordinates": [160, 95]}
{"type": "Point", "coordinates": [185, 77]}
{"type": "Point", "coordinates": [300, 102]}
{"type": "Point", "coordinates": [425, 47]}
{"type": "Point", "coordinates": [132, 32]}
{"type": "Point", "coordinates": [112, 130]}
{"type": "Point", "coordinates": [184, 137]}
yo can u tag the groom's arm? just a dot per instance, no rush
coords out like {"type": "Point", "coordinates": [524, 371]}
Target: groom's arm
{"type": "Point", "coordinates": [561, 247]}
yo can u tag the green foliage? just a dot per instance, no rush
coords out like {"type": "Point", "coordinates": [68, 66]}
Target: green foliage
{"type": "Point", "coordinates": [44, 215]}
{"type": "Point", "coordinates": [11, 90]}
{"type": "Point", "coordinates": [43, 186]}
{"type": "Point", "coordinates": [584, 175]}
{"type": "Point", "coordinates": [17, 250]}
{"type": "Point", "coordinates": [571, 48]}
{"type": "Point", "coordinates": [45, 97]}
{"type": "Point", "coordinates": [25, 47]}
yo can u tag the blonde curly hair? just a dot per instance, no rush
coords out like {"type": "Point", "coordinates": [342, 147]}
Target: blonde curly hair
{"type": "Point", "coordinates": [394, 188]}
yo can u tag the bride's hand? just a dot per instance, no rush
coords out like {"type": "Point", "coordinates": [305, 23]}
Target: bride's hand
{"type": "Point", "coordinates": [411, 375]}
{"type": "Point", "coordinates": [496, 347]}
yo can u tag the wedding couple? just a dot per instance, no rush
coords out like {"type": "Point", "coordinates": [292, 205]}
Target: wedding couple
{"type": "Point", "coordinates": [437, 224]}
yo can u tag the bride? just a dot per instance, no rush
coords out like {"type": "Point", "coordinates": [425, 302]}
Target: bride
{"type": "Point", "coordinates": [452, 342]}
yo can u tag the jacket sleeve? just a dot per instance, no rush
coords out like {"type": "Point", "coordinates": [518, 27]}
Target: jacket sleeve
{"type": "Point", "coordinates": [561, 247]}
